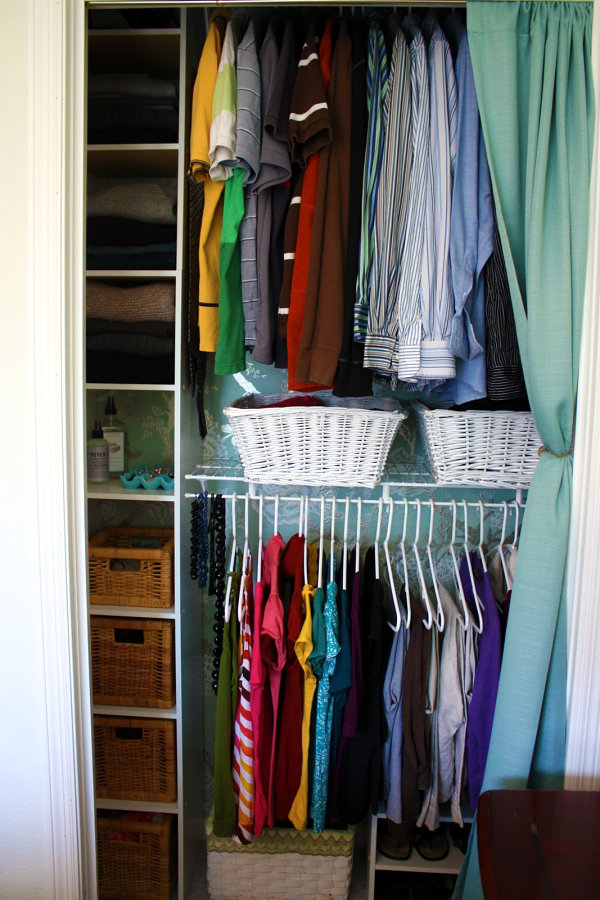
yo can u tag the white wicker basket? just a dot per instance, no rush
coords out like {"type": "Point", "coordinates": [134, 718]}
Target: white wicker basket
{"type": "Point", "coordinates": [344, 443]}
{"type": "Point", "coordinates": [482, 447]}
{"type": "Point", "coordinates": [283, 864]}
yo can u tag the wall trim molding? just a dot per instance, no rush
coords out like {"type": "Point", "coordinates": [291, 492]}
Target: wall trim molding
{"type": "Point", "coordinates": [583, 577]}
{"type": "Point", "coordinates": [54, 62]}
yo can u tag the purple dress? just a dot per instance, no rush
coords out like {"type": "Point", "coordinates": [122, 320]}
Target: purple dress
{"type": "Point", "coordinates": [487, 675]}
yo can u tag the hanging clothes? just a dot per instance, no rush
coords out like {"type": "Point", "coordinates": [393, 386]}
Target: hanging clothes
{"type": "Point", "coordinates": [360, 785]}
{"type": "Point", "coordinates": [212, 216]}
{"type": "Point", "coordinates": [352, 379]}
{"type": "Point", "coordinates": [393, 689]}
{"type": "Point", "coordinates": [273, 652]}
{"type": "Point", "coordinates": [487, 675]}
{"type": "Point", "coordinates": [288, 763]}
{"type": "Point", "coordinates": [261, 714]}
{"type": "Point", "coordinates": [310, 129]}
{"type": "Point", "coordinates": [224, 820]}
{"type": "Point", "coordinates": [298, 813]}
{"type": "Point", "coordinates": [324, 711]}
{"type": "Point", "coordinates": [341, 678]}
{"type": "Point", "coordinates": [355, 694]}
{"type": "Point", "coordinates": [243, 742]}
{"type": "Point", "coordinates": [416, 770]}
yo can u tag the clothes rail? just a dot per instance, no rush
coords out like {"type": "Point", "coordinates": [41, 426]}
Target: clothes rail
{"type": "Point", "coordinates": [333, 502]}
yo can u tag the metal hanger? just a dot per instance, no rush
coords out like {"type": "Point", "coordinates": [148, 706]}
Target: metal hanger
{"type": "Point", "coordinates": [439, 617]}
{"type": "Point", "coordinates": [234, 547]}
{"type": "Point", "coordinates": [390, 570]}
{"type": "Point", "coordinates": [479, 625]}
{"type": "Point", "coordinates": [345, 547]}
{"type": "Point", "coordinates": [405, 566]}
{"type": "Point", "coordinates": [464, 621]}
{"type": "Point", "coordinates": [321, 527]}
{"type": "Point", "coordinates": [245, 555]}
{"type": "Point", "coordinates": [332, 543]}
{"type": "Point", "coordinates": [358, 526]}
{"type": "Point", "coordinates": [260, 538]}
{"type": "Point", "coordinates": [377, 535]}
{"type": "Point", "coordinates": [428, 622]}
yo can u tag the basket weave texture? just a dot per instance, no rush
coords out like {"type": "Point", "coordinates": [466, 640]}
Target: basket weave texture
{"type": "Point", "coordinates": [134, 759]}
{"type": "Point", "coordinates": [136, 860]}
{"type": "Point", "coordinates": [480, 447]}
{"type": "Point", "coordinates": [131, 567]}
{"type": "Point", "coordinates": [132, 662]}
{"type": "Point", "coordinates": [282, 864]}
{"type": "Point", "coordinates": [345, 443]}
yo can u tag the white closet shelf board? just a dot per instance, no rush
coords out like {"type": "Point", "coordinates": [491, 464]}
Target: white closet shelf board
{"type": "Point", "coordinates": [120, 386]}
{"type": "Point", "coordinates": [415, 863]}
{"type": "Point", "coordinates": [132, 160]}
{"type": "Point", "coordinates": [147, 712]}
{"type": "Point", "coordinates": [132, 275]}
{"type": "Point", "coordinates": [137, 806]}
{"type": "Point", "coordinates": [114, 490]}
{"type": "Point", "coordinates": [132, 612]}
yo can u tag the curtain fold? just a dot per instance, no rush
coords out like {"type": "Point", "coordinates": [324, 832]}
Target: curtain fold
{"type": "Point", "coordinates": [533, 76]}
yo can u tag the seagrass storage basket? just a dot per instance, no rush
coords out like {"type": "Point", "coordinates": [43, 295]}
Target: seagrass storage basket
{"type": "Point", "coordinates": [132, 662]}
{"type": "Point", "coordinates": [131, 567]}
{"type": "Point", "coordinates": [136, 856]}
{"type": "Point", "coordinates": [134, 759]}
{"type": "Point", "coordinates": [341, 442]}
{"type": "Point", "coordinates": [283, 864]}
{"type": "Point", "coordinates": [480, 447]}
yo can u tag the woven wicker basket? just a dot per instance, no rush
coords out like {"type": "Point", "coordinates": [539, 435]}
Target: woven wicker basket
{"type": "Point", "coordinates": [494, 448]}
{"type": "Point", "coordinates": [132, 662]}
{"type": "Point", "coordinates": [345, 443]}
{"type": "Point", "coordinates": [134, 759]}
{"type": "Point", "coordinates": [136, 860]}
{"type": "Point", "coordinates": [132, 567]}
{"type": "Point", "coordinates": [283, 864]}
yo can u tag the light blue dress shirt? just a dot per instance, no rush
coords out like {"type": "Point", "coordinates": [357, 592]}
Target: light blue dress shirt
{"type": "Point", "coordinates": [471, 231]}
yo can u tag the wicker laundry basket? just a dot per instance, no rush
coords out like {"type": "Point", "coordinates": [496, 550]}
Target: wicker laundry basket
{"type": "Point", "coordinates": [341, 442]}
{"type": "Point", "coordinates": [480, 447]}
{"type": "Point", "coordinates": [283, 864]}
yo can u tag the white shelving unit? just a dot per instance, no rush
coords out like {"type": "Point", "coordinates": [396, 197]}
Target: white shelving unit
{"type": "Point", "coordinates": [160, 52]}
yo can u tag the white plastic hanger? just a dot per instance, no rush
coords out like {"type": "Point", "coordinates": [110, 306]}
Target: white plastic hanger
{"type": "Point", "coordinates": [390, 570]}
{"type": "Point", "coordinates": [479, 625]}
{"type": "Point", "coordinates": [500, 548]}
{"type": "Point", "coordinates": [234, 546]}
{"type": "Point", "coordinates": [276, 516]}
{"type": "Point", "coordinates": [321, 527]}
{"type": "Point", "coordinates": [405, 565]}
{"type": "Point", "coordinates": [306, 541]}
{"type": "Point", "coordinates": [428, 622]}
{"type": "Point", "coordinates": [332, 543]}
{"type": "Point", "coordinates": [464, 621]}
{"type": "Point", "coordinates": [245, 555]}
{"type": "Point", "coordinates": [439, 616]}
{"type": "Point", "coordinates": [260, 538]}
{"type": "Point", "coordinates": [377, 536]}
{"type": "Point", "coordinates": [358, 527]}
{"type": "Point", "coordinates": [345, 548]}
{"type": "Point", "coordinates": [481, 536]}
{"type": "Point", "coordinates": [516, 533]}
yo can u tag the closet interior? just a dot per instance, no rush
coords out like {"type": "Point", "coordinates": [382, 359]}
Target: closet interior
{"type": "Point", "coordinates": [174, 513]}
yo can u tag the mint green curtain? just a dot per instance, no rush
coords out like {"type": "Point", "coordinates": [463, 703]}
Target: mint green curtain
{"type": "Point", "coordinates": [533, 77]}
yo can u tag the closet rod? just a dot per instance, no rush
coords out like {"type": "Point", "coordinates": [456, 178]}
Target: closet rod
{"type": "Point", "coordinates": [438, 504]}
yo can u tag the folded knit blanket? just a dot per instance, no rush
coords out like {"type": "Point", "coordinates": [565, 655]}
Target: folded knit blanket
{"type": "Point", "coordinates": [152, 301]}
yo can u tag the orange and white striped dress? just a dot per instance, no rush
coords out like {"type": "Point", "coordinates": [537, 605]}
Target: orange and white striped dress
{"type": "Point", "coordinates": [243, 743]}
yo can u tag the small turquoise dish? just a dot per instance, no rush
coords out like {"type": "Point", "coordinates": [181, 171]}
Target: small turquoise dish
{"type": "Point", "coordinates": [149, 477]}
